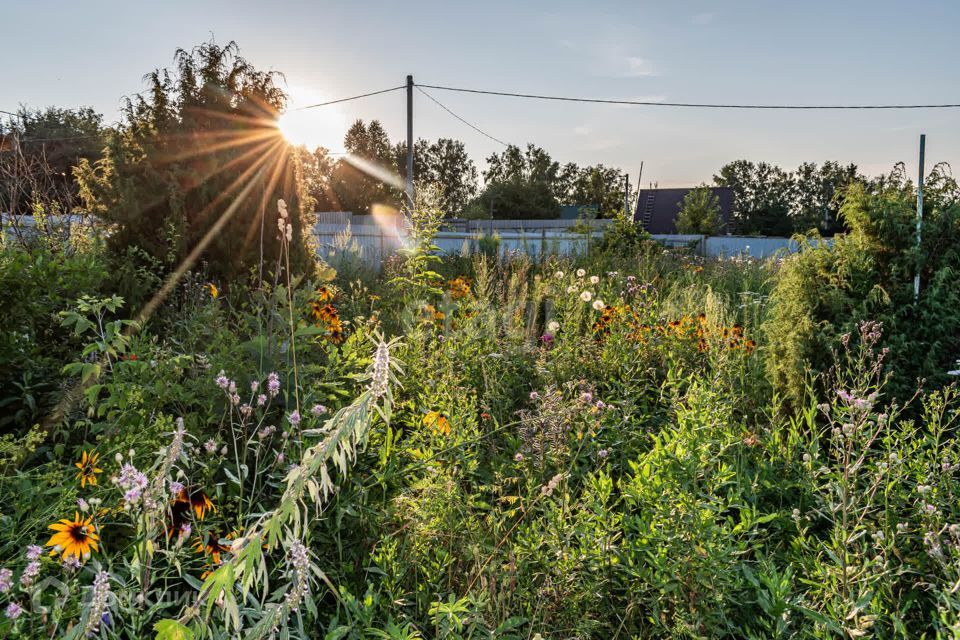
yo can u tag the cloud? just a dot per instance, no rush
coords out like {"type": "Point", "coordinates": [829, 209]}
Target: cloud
{"type": "Point", "coordinates": [635, 67]}
{"type": "Point", "coordinates": [705, 17]}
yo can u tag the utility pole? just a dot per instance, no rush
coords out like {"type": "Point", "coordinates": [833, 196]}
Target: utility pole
{"type": "Point", "coordinates": [626, 194]}
{"type": "Point", "coordinates": [410, 141]}
{"type": "Point", "coordinates": [916, 278]}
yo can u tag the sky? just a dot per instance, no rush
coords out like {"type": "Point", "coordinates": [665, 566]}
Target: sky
{"type": "Point", "coordinates": [751, 51]}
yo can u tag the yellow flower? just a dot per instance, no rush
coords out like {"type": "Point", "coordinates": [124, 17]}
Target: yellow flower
{"type": "Point", "coordinates": [212, 288]}
{"type": "Point", "coordinates": [437, 422]}
{"type": "Point", "coordinates": [88, 469]}
{"type": "Point", "coordinates": [74, 538]}
{"type": "Point", "coordinates": [196, 500]}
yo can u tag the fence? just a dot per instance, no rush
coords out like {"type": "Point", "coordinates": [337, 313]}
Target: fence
{"type": "Point", "coordinates": [373, 242]}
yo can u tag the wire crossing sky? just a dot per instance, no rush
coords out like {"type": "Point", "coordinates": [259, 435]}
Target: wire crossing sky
{"type": "Point", "coordinates": [610, 82]}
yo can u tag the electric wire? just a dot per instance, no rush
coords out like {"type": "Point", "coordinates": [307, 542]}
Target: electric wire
{"type": "Point", "coordinates": [693, 105]}
{"type": "Point", "coordinates": [472, 126]}
{"type": "Point", "coordinates": [362, 95]}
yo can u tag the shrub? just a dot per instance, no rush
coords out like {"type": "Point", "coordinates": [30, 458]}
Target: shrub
{"type": "Point", "coordinates": [823, 291]}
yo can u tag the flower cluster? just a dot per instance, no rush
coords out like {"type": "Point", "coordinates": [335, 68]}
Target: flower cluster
{"type": "Point", "coordinates": [459, 288]}
{"type": "Point", "coordinates": [326, 315]}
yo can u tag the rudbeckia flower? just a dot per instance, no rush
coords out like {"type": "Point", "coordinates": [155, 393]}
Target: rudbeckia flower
{"type": "Point", "coordinates": [88, 469]}
{"type": "Point", "coordinates": [77, 537]}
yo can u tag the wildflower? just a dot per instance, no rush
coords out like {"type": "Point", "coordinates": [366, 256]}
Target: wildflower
{"type": "Point", "coordinates": [572, 288]}
{"type": "Point", "coordinates": [6, 580]}
{"type": "Point", "coordinates": [300, 575]}
{"type": "Point", "coordinates": [185, 530]}
{"type": "Point", "coordinates": [74, 538]}
{"type": "Point", "coordinates": [553, 326]}
{"type": "Point", "coordinates": [222, 381]}
{"type": "Point", "coordinates": [133, 482]}
{"type": "Point", "coordinates": [548, 489]}
{"type": "Point", "coordinates": [176, 487]}
{"type": "Point", "coordinates": [894, 457]}
{"type": "Point", "coordinates": [518, 457]}
{"type": "Point", "coordinates": [581, 273]}
{"type": "Point", "coordinates": [70, 564]}
{"type": "Point", "coordinates": [901, 527]}
{"type": "Point", "coordinates": [294, 418]}
{"type": "Point", "coordinates": [601, 405]}
{"type": "Point", "coordinates": [534, 395]}
{"type": "Point", "coordinates": [234, 399]}
{"type": "Point", "coordinates": [98, 603]}
{"type": "Point", "coordinates": [602, 454]}
{"type": "Point", "coordinates": [210, 446]}
{"type": "Point", "coordinates": [13, 611]}
{"type": "Point", "coordinates": [196, 500]}
{"type": "Point", "coordinates": [254, 386]}
{"type": "Point", "coordinates": [796, 514]}
{"type": "Point", "coordinates": [380, 370]}
{"type": "Point", "coordinates": [586, 296]}
{"type": "Point", "coordinates": [261, 400]}
{"type": "Point", "coordinates": [598, 305]}
{"type": "Point", "coordinates": [273, 384]}
{"type": "Point", "coordinates": [806, 458]}
{"type": "Point", "coordinates": [438, 422]}
{"type": "Point", "coordinates": [282, 207]}
{"type": "Point", "coordinates": [29, 573]}
{"type": "Point", "coordinates": [594, 280]}
{"type": "Point", "coordinates": [214, 546]}
{"type": "Point", "coordinates": [318, 410]}
{"type": "Point", "coordinates": [266, 432]}
{"type": "Point", "coordinates": [88, 469]}
{"type": "Point", "coordinates": [586, 397]}
{"type": "Point", "coordinates": [212, 288]}
{"type": "Point", "coordinates": [558, 275]}
{"type": "Point", "coordinates": [246, 410]}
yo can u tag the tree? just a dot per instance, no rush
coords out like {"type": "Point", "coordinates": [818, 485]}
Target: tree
{"type": "Point", "coordinates": [355, 183]}
{"type": "Point", "coordinates": [598, 186]}
{"type": "Point", "coordinates": [199, 163]}
{"type": "Point", "coordinates": [54, 138]}
{"type": "Point", "coordinates": [762, 197]}
{"type": "Point", "coordinates": [446, 164]}
{"type": "Point", "coordinates": [515, 199]}
{"type": "Point", "coordinates": [818, 193]}
{"type": "Point", "coordinates": [700, 212]}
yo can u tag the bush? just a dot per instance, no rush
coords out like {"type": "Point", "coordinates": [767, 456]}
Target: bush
{"type": "Point", "coordinates": [823, 292]}
{"type": "Point", "coordinates": [515, 199]}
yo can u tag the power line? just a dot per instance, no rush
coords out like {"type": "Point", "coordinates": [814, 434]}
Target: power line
{"type": "Point", "coordinates": [695, 105]}
{"type": "Point", "coordinates": [362, 95]}
{"type": "Point", "coordinates": [474, 127]}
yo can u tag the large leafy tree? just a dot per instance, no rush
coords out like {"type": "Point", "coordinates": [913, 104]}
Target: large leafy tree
{"type": "Point", "coordinates": [446, 164]}
{"type": "Point", "coordinates": [50, 141]}
{"type": "Point", "coordinates": [199, 164]}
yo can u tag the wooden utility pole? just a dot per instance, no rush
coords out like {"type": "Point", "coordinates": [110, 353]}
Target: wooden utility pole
{"type": "Point", "coordinates": [916, 278]}
{"type": "Point", "coordinates": [410, 141]}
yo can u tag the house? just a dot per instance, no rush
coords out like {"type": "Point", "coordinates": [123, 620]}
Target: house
{"type": "Point", "coordinates": [657, 209]}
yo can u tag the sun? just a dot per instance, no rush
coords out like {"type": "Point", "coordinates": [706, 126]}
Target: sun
{"type": "Point", "coordinates": [312, 128]}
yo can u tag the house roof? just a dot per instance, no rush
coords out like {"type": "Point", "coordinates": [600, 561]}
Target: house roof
{"type": "Point", "coordinates": [657, 209]}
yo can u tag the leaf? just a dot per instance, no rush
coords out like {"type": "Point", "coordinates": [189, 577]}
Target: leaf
{"type": "Point", "coordinates": [172, 630]}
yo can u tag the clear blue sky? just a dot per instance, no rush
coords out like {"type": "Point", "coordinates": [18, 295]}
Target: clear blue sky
{"type": "Point", "coordinates": [94, 53]}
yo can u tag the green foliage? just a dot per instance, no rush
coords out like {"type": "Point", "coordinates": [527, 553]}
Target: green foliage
{"type": "Point", "coordinates": [823, 292]}
{"type": "Point", "coordinates": [531, 200]}
{"type": "Point", "coordinates": [190, 172]}
{"type": "Point", "coordinates": [699, 212]}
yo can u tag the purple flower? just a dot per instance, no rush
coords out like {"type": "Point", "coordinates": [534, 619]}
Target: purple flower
{"type": "Point", "coordinates": [222, 381]}
{"type": "Point", "coordinates": [13, 611]}
{"type": "Point", "coordinates": [210, 446]}
{"type": "Point", "coordinates": [294, 418]}
{"type": "Point", "coordinates": [534, 395]}
{"type": "Point", "coordinates": [261, 400]}
{"type": "Point", "coordinates": [34, 551]}
{"type": "Point", "coordinates": [6, 580]}
{"type": "Point", "coordinates": [586, 397]}
{"type": "Point", "coordinates": [273, 384]}
{"type": "Point", "coordinates": [547, 339]}
{"type": "Point", "coordinates": [175, 488]}
{"type": "Point", "coordinates": [601, 405]}
{"type": "Point", "coordinates": [318, 410]}
{"type": "Point", "coordinates": [602, 454]}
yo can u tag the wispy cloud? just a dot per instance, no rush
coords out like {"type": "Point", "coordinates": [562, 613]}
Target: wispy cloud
{"type": "Point", "coordinates": [635, 67]}
{"type": "Point", "coordinates": [705, 17]}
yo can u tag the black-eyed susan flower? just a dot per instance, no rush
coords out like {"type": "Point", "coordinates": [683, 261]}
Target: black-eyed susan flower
{"type": "Point", "coordinates": [438, 422]}
{"type": "Point", "coordinates": [212, 288]}
{"type": "Point", "coordinates": [77, 538]}
{"type": "Point", "coordinates": [88, 469]}
{"type": "Point", "coordinates": [212, 548]}
{"type": "Point", "coordinates": [194, 499]}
